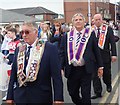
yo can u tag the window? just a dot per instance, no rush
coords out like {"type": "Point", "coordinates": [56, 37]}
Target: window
{"type": "Point", "coordinates": [40, 17]}
{"type": "Point", "coordinates": [97, 9]}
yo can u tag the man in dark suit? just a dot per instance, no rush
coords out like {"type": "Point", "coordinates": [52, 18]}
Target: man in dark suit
{"type": "Point", "coordinates": [35, 63]}
{"type": "Point", "coordinates": [79, 54]}
{"type": "Point", "coordinates": [106, 43]}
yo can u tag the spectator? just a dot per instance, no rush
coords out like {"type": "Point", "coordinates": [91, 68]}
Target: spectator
{"type": "Point", "coordinates": [18, 34]}
{"type": "Point", "coordinates": [4, 46]}
{"type": "Point", "coordinates": [1, 38]}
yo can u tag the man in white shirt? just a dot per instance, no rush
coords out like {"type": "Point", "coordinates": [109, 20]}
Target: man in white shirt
{"type": "Point", "coordinates": [79, 54]}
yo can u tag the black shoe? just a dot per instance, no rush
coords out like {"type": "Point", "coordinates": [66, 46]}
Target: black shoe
{"type": "Point", "coordinates": [96, 96]}
{"type": "Point", "coordinates": [109, 89]}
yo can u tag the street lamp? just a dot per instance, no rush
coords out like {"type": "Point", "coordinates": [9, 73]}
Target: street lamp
{"type": "Point", "coordinates": [89, 13]}
{"type": "Point", "coordinates": [115, 11]}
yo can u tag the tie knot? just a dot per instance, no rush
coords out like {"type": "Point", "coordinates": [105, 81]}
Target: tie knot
{"type": "Point", "coordinates": [98, 29]}
{"type": "Point", "coordinates": [29, 47]}
{"type": "Point", "coordinates": [78, 34]}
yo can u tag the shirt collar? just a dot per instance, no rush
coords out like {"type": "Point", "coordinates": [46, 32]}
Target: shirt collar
{"type": "Point", "coordinates": [32, 44]}
{"type": "Point", "coordinates": [99, 27]}
{"type": "Point", "coordinates": [80, 31]}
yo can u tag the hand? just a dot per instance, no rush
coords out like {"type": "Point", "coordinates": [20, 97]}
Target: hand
{"type": "Point", "coordinates": [62, 72]}
{"type": "Point", "coordinates": [5, 57]}
{"type": "Point", "coordinates": [100, 72]}
{"type": "Point", "coordinates": [10, 102]}
{"type": "Point", "coordinates": [58, 103]}
{"type": "Point", "coordinates": [113, 59]}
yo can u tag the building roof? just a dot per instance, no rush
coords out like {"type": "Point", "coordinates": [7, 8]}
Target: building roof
{"type": "Point", "coordinates": [9, 16]}
{"type": "Point", "coordinates": [32, 11]}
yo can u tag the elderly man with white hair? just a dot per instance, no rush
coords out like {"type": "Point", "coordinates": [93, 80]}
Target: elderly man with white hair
{"type": "Point", "coordinates": [79, 54]}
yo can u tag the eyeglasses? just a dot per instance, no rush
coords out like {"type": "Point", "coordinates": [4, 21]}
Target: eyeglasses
{"type": "Point", "coordinates": [25, 32]}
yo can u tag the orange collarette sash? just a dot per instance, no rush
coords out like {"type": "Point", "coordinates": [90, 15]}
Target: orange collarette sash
{"type": "Point", "coordinates": [102, 37]}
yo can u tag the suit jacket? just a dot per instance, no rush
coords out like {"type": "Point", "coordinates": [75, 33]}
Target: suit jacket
{"type": "Point", "coordinates": [39, 91]}
{"type": "Point", "coordinates": [91, 55]}
{"type": "Point", "coordinates": [1, 38]}
{"type": "Point", "coordinates": [109, 47]}
{"type": "Point", "coordinates": [56, 39]}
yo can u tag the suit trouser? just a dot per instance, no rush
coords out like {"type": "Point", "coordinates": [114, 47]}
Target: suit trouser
{"type": "Point", "coordinates": [106, 78]}
{"type": "Point", "coordinates": [79, 79]}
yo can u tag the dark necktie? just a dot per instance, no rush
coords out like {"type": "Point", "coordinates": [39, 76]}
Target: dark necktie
{"type": "Point", "coordinates": [78, 38]}
{"type": "Point", "coordinates": [28, 52]}
{"type": "Point", "coordinates": [27, 57]}
{"type": "Point", "coordinates": [98, 33]}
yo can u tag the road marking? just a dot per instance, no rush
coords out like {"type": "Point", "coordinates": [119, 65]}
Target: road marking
{"type": "Point", "coordinates": [115, 97]}
{"type": "Point", "coordinates": [106, 94]}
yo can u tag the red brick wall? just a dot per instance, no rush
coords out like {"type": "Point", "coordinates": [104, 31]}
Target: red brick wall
{"type": "Point", "coordinates": [70, 8]}
{"type": "Point", "coordinates": [112, 11]}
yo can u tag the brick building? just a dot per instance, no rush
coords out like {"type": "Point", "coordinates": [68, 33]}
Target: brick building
{"type": "Point", "coordinates": [96, 6]}
{"type": "Point", "coordinates": [112, 8]}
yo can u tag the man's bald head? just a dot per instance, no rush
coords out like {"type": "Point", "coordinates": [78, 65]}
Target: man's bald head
{"type": "Point", "coordinates": [98, 15]}
{"type": "Point", "coordinates": [98, 20]}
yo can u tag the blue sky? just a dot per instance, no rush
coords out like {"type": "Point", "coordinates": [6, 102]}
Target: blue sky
{"type": "Point", "coordinates": [53, 5]}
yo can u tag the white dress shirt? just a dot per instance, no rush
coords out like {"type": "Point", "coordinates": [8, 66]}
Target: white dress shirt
{"type": "Point", "coordinates": [30, 50]}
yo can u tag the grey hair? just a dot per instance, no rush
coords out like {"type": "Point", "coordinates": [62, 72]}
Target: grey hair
{"type": "Point", "coordinates": [78, 14]}
{"type": "Point", "coordinates": [31, 24]}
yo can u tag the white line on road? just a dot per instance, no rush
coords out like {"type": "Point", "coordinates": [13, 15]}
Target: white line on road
{"type": "Point", "coordinates": [115, 97]}
{"type": "Point", "coordinates": [105, 96]}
